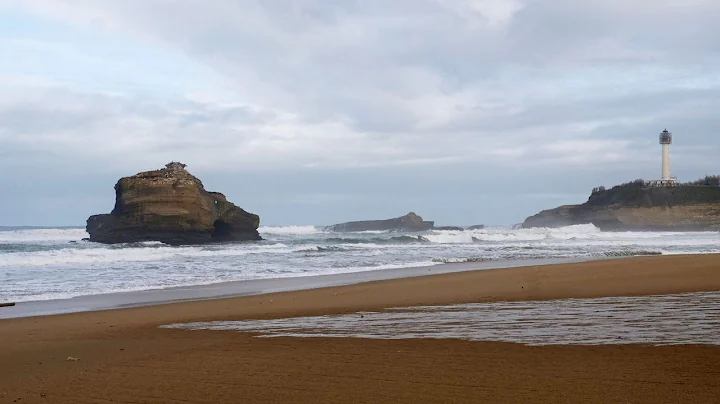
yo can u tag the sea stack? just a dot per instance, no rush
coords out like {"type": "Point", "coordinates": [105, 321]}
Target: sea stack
{"type": "Point", "coordinates": [171, 205]}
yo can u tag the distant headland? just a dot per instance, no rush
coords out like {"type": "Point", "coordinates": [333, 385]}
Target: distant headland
{"type": "Point", "coordinates": [642, 205]}
{"type": "Point", "coordinates": [663, 204]}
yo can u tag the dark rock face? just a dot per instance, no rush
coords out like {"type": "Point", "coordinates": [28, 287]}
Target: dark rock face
{"type": "Point", "coordinates": [476, 227]}
{"type": "Point", "coordinates": [409, 222]}
{"type": "Point", "coordinates": [172, 206]}
{"type": "Point", "coordinates": [639, 208]}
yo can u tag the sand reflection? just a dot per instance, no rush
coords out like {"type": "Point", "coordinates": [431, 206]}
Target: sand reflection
{"type": "Point", "coordinates": [691, 318]}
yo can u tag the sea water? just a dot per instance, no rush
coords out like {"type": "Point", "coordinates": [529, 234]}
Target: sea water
{"type": "Point", "coordinates": [689, 318]}
{"type": "Point", "coordinates": [54, 263]}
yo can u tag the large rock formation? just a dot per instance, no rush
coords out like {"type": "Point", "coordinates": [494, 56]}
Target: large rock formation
{"type": "Point", "coordinates": [634, 206]}
{"type": "Point", "coordinates": [409, 222]}
{"type": "Point", "coordinates": [172, 206]}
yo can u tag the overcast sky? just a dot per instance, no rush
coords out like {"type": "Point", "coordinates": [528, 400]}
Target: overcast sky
{"type": "Point", "coordinates": [320, 111]}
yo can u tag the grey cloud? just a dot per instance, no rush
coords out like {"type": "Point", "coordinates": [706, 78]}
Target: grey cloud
{"type": "Point", "coordinates": [327, 58]}
{"type": "Point", "coordinates": [669, 104]}
{"type": "Point", "coordinates": [421, 102]}
{"type": "Point", "coordinates": [567, 31]}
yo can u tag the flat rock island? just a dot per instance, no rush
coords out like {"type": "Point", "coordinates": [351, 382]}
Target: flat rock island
{"type": "Point", "coordinates": [171, 205]}
{"type": "Point", "coordinates": [409, 222]}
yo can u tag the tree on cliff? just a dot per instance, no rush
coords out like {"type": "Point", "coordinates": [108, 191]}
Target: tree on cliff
{"type": "Point", "coordinates": [709, 181]}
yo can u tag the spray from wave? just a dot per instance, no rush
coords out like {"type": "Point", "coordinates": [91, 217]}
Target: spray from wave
{"type": "Point", "coordinates": [288, 230]}
{"type": "Point", "coordinates": [41, 235]}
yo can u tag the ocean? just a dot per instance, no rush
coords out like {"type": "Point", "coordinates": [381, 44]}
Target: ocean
{"type": "Point", "coordinates": [38, 264]}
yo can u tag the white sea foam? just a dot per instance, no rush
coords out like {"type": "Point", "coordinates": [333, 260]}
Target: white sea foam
{"type": "Point", "coordinates": [151, 243]}
{"type": "Point", "coordinates": [290, 230]}
{"type": "Point", "coordinates": [450, 237]}
{"type": "Point", "coordinates": [50, 284]}
{"type": "Point", "coordinates": [587, 231]}
{"type": "Point", "coordinates": [692, 318]}
{"type": "Point", "coordinates": [570, 235]}
{"type": "Point", "coordinates": [502, 234]}
{"type": "Point", "coordinates": [416, 264]}
{"type": "Point", "coordinates": [153, 252]}
{"type": "Point", "coordinates": [25, 235]}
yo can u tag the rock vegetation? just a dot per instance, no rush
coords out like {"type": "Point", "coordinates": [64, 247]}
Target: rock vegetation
{"type": "Point", "coordinates": [636, 206]}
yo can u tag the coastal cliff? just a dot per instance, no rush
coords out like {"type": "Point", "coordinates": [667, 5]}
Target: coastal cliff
{"type": "Point", "coordinates": [171, 205]}
{"type": "Point", "coordinates": [409, 222]}
{"type": "Point", "coordinates": [635, 206]}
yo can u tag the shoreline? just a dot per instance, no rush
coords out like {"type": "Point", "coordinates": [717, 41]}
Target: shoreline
{"type": "Point", "coordinates": [251, 287]}
{"type": "Point", "coordinates": [123, 355]}
{"type": "Point", "coordinates": [442, 284]}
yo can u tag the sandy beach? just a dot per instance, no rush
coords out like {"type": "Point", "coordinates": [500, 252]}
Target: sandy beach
{"type": "Point", "coordinates": [124, 357]}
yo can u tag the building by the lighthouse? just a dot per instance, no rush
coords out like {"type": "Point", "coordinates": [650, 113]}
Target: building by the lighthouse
{"type": "Point", "coordinates": [666, 180]}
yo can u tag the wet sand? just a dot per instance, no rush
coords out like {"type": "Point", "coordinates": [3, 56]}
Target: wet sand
{"type": "Point", "coordinates": [125, 357]}
{"type": "Point", "coordinates": [253, 287]}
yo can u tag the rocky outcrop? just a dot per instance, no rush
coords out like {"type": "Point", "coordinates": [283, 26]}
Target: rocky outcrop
{"type": "Point", "coordinates": [476, 227]}
{"type": "Point", "coordinates": [172, 206]}
{"type": "Point", "coordinates": [636, 207]}
{"type": "Point", "coordinates": [409, 222]}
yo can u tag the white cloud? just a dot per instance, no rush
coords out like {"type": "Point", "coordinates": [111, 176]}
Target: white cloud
{"type": "Point", "coordinates": [322, 84]}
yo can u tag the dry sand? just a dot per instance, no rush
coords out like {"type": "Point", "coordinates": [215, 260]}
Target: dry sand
{"type": "Point", "coordinates": [124, 356]}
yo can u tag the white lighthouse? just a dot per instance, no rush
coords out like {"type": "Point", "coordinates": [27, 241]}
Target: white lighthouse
{"type": "Point", "coordinates": [665, 142]}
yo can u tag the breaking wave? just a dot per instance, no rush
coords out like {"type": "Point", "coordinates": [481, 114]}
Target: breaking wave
{"type": "Point", "coordinates": [25, 234]}
{"type": "Point", "coordinates": [504, 234]}
{"type": "Point", "coordinates": [144, 252]}
{"type": "Point", "coordinates": [379, 240]}
{"type": "Point", "coordinates": [511, 254]}
{"type": "Point", "coordinates": [37, 263]}
{"type": "Point", "coordinates": [289, 230]}
{"type": "Point", "coordinates": [460, 260]}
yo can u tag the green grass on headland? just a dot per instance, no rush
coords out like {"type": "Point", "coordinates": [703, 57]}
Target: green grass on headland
{"type": "Point", "coordinates": [638, 193]}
